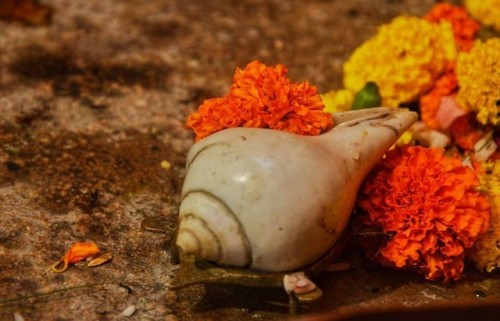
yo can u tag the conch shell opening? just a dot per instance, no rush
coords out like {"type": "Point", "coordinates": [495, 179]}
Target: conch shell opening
{"type": "Point", "coordinates": [208, 229]}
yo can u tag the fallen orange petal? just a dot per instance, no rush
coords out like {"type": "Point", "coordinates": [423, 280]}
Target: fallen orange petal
{"type": "Point", "coordinates": [81, 251]}
{"type": "Point", "coordinates": [77, 252]}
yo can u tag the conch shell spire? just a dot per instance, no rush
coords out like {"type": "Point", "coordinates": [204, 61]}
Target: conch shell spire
{"type": "Point", "coordinates": [274, 201]}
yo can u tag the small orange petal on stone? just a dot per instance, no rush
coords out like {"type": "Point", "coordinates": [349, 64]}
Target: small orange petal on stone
{"type": "Point", "coordinates": [77, 252]}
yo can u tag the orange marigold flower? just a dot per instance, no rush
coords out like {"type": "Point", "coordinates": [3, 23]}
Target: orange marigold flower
{"type": "Point", "coordinates": [77, 252]}
{"type": "Point", "coordinates": [444, 86]}
{"type": "Point", "coordinates": [263, 97]}
{"type": "Point", "coordinates": [464, 27]}
{"type": "Point", "coordinates": [429, 205]}
{"type": "Point", "coordinates": [214, 115]}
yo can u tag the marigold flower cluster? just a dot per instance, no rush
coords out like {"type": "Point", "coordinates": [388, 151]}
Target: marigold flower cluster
{"type": "Point", "coordinates": [464, 30]}
{"type": "Point", "coordinates": [432, 207]}
{"type": "Point", "coordinates": [477, 86]}
{"type": "Point", "coordinates": [414, 59]}
{"type": "Point", "coordinates": [478, 73]}
{"type": "Point", "coordinates": [486, 252]}
{"type": "Point", "coordinates": [263, 97]}
{"type": "Point", "coordinates": [403, 59]}
{"type": "Point", "coordinates": [464, 27]}
{"type": "Point", "coordinates": [486, 11]}
{"type": "Point", "coordinates": [429, 205]}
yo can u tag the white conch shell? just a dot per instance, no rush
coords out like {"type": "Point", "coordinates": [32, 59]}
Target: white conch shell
{"type": "Point", "coordinates": [274, 201]}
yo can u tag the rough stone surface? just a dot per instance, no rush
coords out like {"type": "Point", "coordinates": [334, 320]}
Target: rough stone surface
{"type": "Point", "coordinates": [94, 96]}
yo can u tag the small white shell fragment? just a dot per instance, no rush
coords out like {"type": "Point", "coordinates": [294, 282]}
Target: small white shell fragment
{"type": "Point", "coordinates": [18, 317]}
{"type": "Point", "coordinates": [298, 283]}
{"type": "Point", "coordinates": [484, 148]}
{"type": "Point", "coordinates": [429, 137]}
{"type": "Point", "coordinates": [129, 311]}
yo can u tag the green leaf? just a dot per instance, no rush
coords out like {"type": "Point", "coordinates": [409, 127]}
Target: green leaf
{"type": "Point", "coordinates": [367, 97]}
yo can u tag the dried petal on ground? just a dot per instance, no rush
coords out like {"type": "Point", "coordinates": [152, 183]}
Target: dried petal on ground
{"type": "Point", "coordinates": [77, 252]}
{"type": "Point", "coordinates": [100, 260]}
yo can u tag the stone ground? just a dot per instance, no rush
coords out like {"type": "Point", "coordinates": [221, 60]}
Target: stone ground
{"type": "Point", "coordinates": [93, 97]}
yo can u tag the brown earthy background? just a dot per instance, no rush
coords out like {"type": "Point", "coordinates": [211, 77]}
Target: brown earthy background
{"type": "Point", "coordinates": [93, 97]}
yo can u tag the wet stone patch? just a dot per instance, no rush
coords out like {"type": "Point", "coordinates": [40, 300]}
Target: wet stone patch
{"type": "Point", "coordinates": [72, 77]}
{"type": "Point", "coordinates": [78, 170]}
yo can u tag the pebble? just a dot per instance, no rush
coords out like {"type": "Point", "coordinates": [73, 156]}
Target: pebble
{"type": "Point", "coordinates": [479, 294]}
{"type": "Point", "coordinates": [18, 317]}
{"type": "Point", "coordinates": [165, 164]}
{"type": "Point", "coordinates": [129, 311]}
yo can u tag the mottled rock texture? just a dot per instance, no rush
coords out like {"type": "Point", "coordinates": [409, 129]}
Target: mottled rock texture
{"type": "Point", "coordinates": [93, 97]}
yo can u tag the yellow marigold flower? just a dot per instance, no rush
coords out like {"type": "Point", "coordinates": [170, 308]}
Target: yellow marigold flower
{"type": "Point", "coordinates": [478, 73]}
{"type": "Point", "coordinates": [403, 58]}
{"type": "Point", "coordinates": [486, 11]}
{"type": "Point", "coordinates": [486, 252]}
{"type": "Point", "coordinates": [337, 100]}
